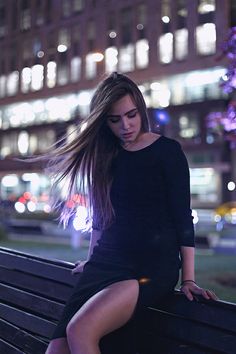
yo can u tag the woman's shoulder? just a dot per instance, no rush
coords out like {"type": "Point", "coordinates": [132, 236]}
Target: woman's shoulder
{"type": "Point", "coordinates": [168, 143]}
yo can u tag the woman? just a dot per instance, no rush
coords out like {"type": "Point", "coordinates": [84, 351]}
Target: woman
{"type": "Point", "coordinates": [138, 188]}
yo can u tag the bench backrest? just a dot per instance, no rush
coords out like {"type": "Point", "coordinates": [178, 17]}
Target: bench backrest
{"type": "Point", "coordinates": [33, 291]}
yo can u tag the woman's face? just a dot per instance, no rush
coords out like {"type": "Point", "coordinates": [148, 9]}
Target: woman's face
{"type": "Point", "coordinates": [124, 120]}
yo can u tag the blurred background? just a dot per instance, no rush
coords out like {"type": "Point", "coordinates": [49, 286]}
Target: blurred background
{"type": "Point", "coordinates": [181, 53]}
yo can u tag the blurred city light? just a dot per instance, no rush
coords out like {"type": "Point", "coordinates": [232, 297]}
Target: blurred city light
{"type": "Point", "coordinates": [80, 219]}
{"type": "Point", "coordinates": [62, 48]}
{"type": "Point", "coordinates": [231, 186]}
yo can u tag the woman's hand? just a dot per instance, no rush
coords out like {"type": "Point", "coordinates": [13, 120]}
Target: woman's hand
{"type": "Point", "coordinates": [79, 266]}
{"type": "Point", "coordinates": [190, 288]}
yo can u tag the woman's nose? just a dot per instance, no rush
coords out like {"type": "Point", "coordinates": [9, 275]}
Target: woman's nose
{"type": "Point", "coordinates": [125, 123]}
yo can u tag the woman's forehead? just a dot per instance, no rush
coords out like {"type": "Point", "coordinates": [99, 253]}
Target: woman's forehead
{"type": "Point", "coordinates": [123, 105]}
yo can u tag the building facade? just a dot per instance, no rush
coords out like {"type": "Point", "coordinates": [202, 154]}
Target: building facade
{"type": "Point", "coordinates": [53, 53]}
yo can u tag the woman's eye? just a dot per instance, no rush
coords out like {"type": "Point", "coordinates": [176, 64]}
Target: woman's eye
{"type": "Point", "coordinates": [114, 120]}
{"type": "Point", "coordinates": [132, 115]}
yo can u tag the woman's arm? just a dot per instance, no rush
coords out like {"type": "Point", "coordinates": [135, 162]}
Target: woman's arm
{"type": "Point", "coordinates": [95, 236]}
{"type": "Point", "coordinates": [188, 285]}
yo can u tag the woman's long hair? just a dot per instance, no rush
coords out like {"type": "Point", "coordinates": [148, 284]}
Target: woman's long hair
{"type": "Point", "coordinates": [86, 161]}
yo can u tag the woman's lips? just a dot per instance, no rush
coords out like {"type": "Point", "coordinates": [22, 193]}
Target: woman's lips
{"type": "Point", "coordinates": [127, 135]}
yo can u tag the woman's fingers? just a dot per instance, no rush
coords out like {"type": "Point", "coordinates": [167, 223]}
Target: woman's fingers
{"type": "Point", "coordinates": [79, 266]}
{"type": "Point", "coordinates": [192, 289]}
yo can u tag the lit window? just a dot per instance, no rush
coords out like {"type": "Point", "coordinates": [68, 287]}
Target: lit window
{"type": "Point", "coordinates": [166, 48]}
{"type": "Point", "coordinates": [33, 143]}
{"type": "Point", "coordinates": [111, 59]}
{"type": "Point", "coordinates": [25, 80]}
{"type": "Point", "coordinates": [66, 8]}
{"type": "Point", "coordinates": [205, 183]}
{"type": "Point", "coordinates": [142, 53]}
{"type": "Point", "coordinates": [90, 66]}
{"type": "Point", "coordinates": [206, 6]}
{"type": "Point", "coordinates": [166, 15]}
{"type": "Point", "coordinates": [160, 94]}
{"type": "Point", "coordinates": [51, 74]}
{"type": "Point", "coordinates": [188, 127]}
{"type": "Point", "coordinates": [62, 69]}
{"type": "Point", "coordinates": [23, 142]}
{"type": "Point", "coordinates": [206, 39]}
{"type": "Point", "coordinates": [12, 83]}
{"type": "Point", "coordinates": [78, 5]}
{"type": "Point", "coordinates": [75, 69]}
{"type": "Point", "coordinates": [181, 44]}
{"type": "Point", "coordinates": [177, 90]}
{"type": "Point", "coordinates": [63, 40]}
{"type": "Point", "coordinates": [126, 58]}
{"type": "Point", "coordinates": [47, 139]}
{"type": "Point", "coordinates": [37, 77]}
{"type": "Point", "coordinates": [57, 109]}
{"type": "Point", "coordinates": [25, 20]}
{"type": "Point", "coordinates": [2, 86]}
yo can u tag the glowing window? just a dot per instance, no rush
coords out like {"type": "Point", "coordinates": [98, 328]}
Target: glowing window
{"type": "Point", "coordinates": [166, 48]}
{"type": "Point", "coordinates": [206, 6]}
{"type": "Point", "coordinates": [188, 126]}
{"type": "Point", "coordinates": [206, 39]}
{"type": "Point", "coordinates": [25, 79]}
{"type": "Point", "coordinates": [75, 69]}
{"type": "Point", "coordinates": [12, 83]}
{"type": "Point", "coordinates": [51, 74]}
{"type": "Point", "coordinates": [126, 58]}
{"type": "Point", "coordinates": [37, 77]}
{"type": "Point", "coordinates": [2, 86]}
{"type": "Point", "coordinates": [142, 53]}
{"type": "Point", "coordinates": [23, 142]}
{"type": "Point", "coordinates": [181, 44]}
{"type": "Point", "coordinates": [90, 66]}
{"type": "Point", "coordinates": [111, 59]}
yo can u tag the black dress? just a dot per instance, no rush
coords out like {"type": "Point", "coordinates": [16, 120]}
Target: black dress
{"type": "Point", "coordinates": [151, 198]}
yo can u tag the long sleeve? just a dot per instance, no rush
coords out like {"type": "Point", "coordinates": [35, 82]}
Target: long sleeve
{"type": "Point", "coordinates": [176, 172]}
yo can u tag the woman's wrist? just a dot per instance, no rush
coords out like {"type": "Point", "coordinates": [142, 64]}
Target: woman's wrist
{"type": "Point", "coordinates": [187, 281]}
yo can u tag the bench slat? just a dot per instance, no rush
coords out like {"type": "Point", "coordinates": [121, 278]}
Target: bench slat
{"type": "Point", "coordinates": [7, 348]}
{"type": "Point", "coordinates": [36, 267]}
{"type": "Point", "coordinates": [57, 262]}
{"type": "Point", "coordinates": [219, 313]}
{"type": "Point", "coordinates": [172, 326]}
{"type": "Point", "coordinates": [32, 303]}
{"type": "Point", "coordinates": [27, 321]}
{"type": "Point", "coordinates": [21, 339]}
{"type": "Point", "coordinates": [166, 345]}
{"type": "Point", "coordinates": [35, 284]}
{"type": "Point", "coordinates": [33, 299]}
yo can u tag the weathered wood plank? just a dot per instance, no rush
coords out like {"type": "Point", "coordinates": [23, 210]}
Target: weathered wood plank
{"type": "Point", "coordinates": [219, 313]}
{"type": "Point", "coordinates": [27, 321]}
{"type": "Point", "coordinates": [30, 303]}
{"type": "Point", "coordinates": [21, 339]}
{"type": "Point", "coordinates": [7, 348]}
{"type": "Point", "coordinates": [208, 337]}
{"type": "Point", "coordinates": [36, 267]}
{"type": "Point", "coordinates": [57, 262]}
{"type": "Point", "coordinates": [153, 344]}
{"type": "Point", "coordinates": [35, 284]}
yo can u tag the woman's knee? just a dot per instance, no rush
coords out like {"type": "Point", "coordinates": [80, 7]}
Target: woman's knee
{"type": "Point", "coordinates": [58, 346]}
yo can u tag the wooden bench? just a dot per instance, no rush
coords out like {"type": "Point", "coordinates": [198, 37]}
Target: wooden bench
{"type": "Point", "coordinates": [33, 292]}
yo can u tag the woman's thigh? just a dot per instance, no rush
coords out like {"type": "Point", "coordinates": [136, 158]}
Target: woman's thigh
{"type": "Point", "coordinates": [107, 310]}
{"type": "Point", "coordinates": [58, 346]}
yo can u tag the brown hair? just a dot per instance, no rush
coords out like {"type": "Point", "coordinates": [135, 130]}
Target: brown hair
{"type": "Point", "coordinates": [88, 158]}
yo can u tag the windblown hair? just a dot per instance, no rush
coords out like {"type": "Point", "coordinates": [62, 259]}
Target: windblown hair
{"type": "Point", "coordinates": [86, 161]}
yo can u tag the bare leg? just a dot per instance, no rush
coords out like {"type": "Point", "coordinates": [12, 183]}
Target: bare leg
{"type": "Point", "coordinates": [58, 346]}
{"type": "Point", "coordinates": [104, 312]}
